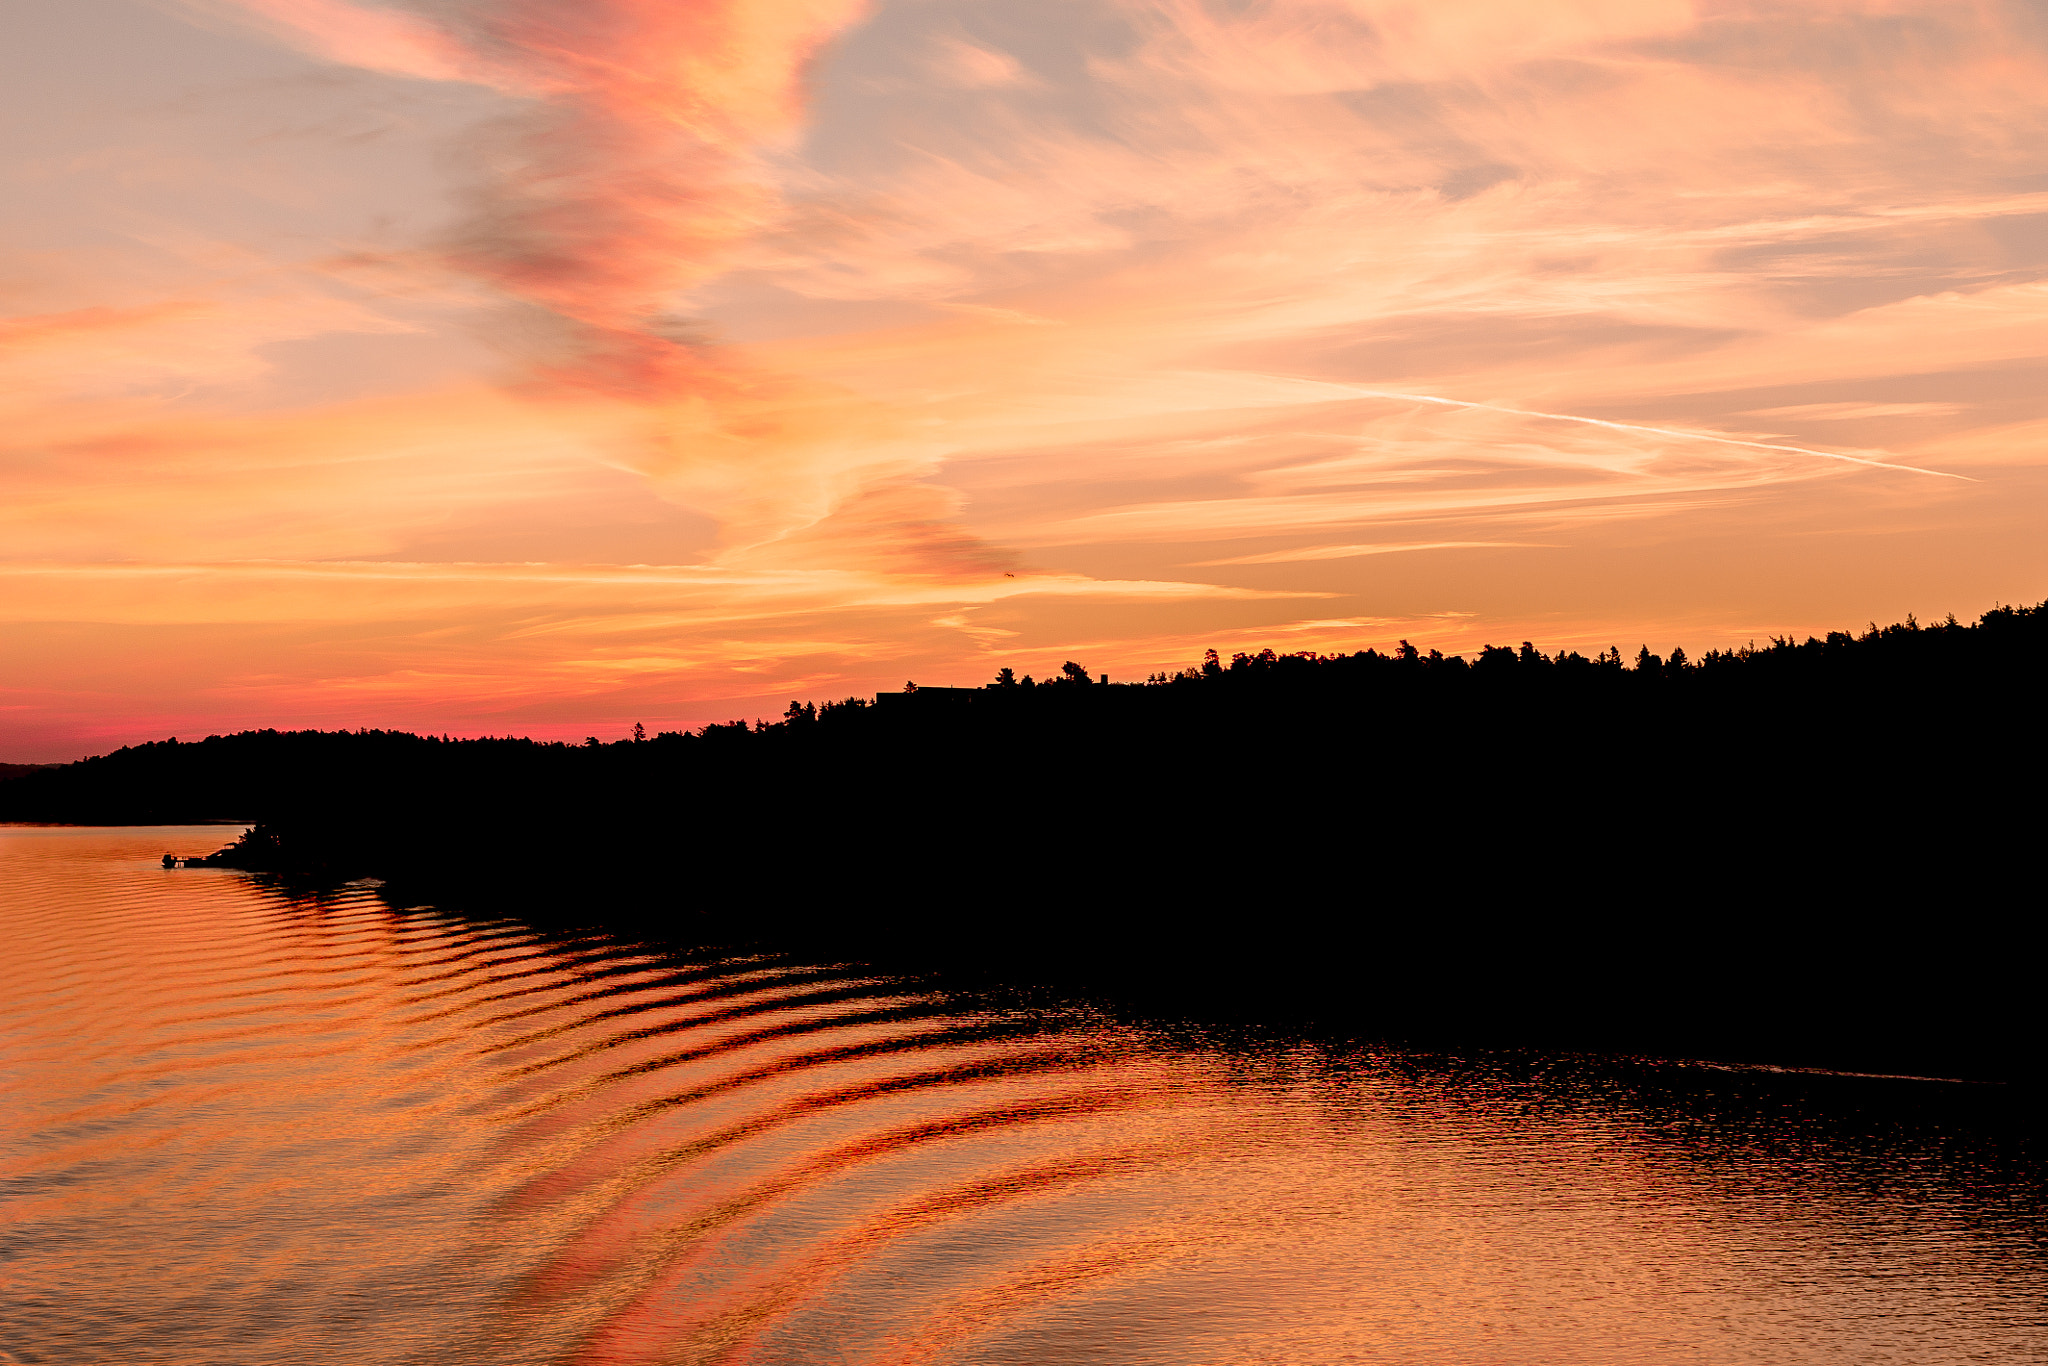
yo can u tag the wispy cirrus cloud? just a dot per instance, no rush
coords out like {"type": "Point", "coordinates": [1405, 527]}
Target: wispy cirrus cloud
{"type": "Point", "coordinates": [1300, 554]}
{"type": "Point", "coordinates": [1672, 308]}
{"type": "Point", "coordinates": [630, 170]}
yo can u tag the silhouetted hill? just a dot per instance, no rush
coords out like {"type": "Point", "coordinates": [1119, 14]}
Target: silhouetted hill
{"type": "Point", "coordinates": [8, 771]}
{"type": "Point", "coordinates": [1830, 840]}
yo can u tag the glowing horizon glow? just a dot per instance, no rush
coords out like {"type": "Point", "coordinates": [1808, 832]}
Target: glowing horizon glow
{"type": "Point", "coordinates": [548, 366]}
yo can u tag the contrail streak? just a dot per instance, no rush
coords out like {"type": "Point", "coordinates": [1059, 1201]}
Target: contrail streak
{"type": "Point", "coordinates": [1658, 431]}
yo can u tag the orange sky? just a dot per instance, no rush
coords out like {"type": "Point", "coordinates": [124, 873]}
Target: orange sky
{"type": "Point", "coordinates": [543, 366]}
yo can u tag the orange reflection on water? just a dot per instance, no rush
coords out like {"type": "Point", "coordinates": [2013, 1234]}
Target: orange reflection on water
{"type": "Point", "coordinates": [247, 1126]}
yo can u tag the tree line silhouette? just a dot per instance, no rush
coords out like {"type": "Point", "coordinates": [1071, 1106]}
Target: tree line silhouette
{"type": "Point", "coordinates": [1752, 846]}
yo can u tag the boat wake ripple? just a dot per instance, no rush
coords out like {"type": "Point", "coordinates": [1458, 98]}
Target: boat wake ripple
{"type": "Point", "coordinates": [245, 1125]}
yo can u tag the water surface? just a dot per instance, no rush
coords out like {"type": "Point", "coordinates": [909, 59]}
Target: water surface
{"type": "Point", "coordinates": [243, 1125]}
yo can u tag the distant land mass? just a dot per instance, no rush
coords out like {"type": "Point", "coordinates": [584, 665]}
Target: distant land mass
{"type": "Point", "coordinates": [1822, 852]}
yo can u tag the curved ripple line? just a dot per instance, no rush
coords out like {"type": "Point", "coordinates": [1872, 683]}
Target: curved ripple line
{"type": "Point", "coordinates": [642, 1262]}
{"type": "Point", "coordinates": [683, 1024]}
{"type": "Point", "coordinates": [723, 1044]}
{"type": "Point", "coordinates": [644, 1171]}
{"type": "Point", "coordinates": [728, 1334]}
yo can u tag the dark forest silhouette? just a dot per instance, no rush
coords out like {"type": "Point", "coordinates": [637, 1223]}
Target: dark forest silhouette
{"type": "Point", "coordinates": [1832, 840]}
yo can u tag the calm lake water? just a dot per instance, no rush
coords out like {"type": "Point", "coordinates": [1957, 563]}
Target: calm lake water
{"type": "Point", "coordinates": [244, 1126]}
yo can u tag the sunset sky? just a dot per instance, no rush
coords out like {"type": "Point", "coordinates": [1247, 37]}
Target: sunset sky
{"type": "Point", "coordinates": [544, 366]}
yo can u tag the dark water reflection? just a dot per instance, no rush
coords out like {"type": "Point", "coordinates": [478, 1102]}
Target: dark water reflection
{"type": "Point", "coordinates": [243, 1127]}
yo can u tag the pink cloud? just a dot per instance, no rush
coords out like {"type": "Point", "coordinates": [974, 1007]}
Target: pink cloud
{"type": "Point", "coordinates": [974, 67]}
{"type": "Point", "coordinates": [377, 39]}
{"type": "Point", "coordinates": [1107, 327]}
{"type": "Point", "coordinates": [1302, 47]}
